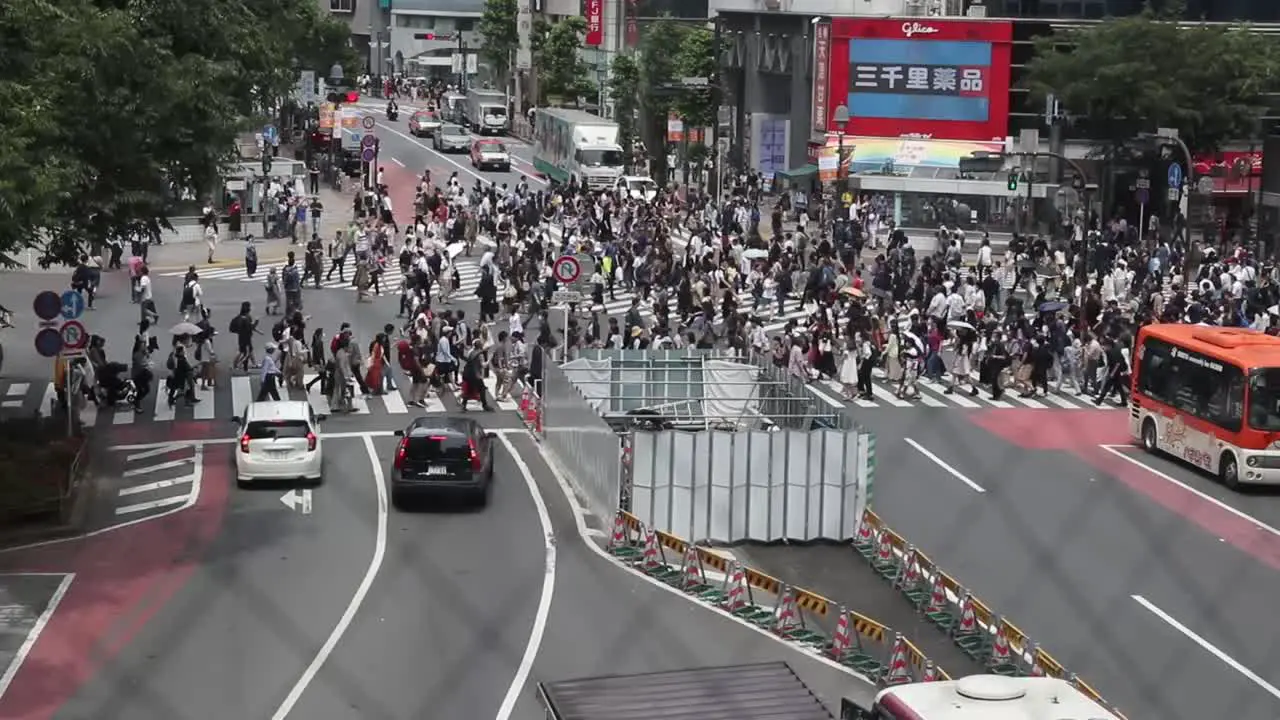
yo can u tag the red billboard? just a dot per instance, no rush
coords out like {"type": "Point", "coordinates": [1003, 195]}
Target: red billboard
{"type": "Point", "coordinates": [947, 79]}
{"type": "Point", "coordinates": [595, 23]}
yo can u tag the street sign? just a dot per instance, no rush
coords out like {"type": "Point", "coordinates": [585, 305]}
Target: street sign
{"type": "Point", "coordinates": [48, 342]}
{"type": "Point", "coordinates": [566, 269]}
{"type": "Point", "coordinates": [47, 305]}
{"type": "Point", "coordinates": [270, 134]}
{"type": "Point", "coordinates": [72, 305]}
{"type": "Point", "coordinates": [368, 155]}
{"type": "Point", "coordinates": [74, 335]}
{"type": "Point", "coordinates": [1144, 184]}
{"type": "Point", "coordinates": [306, 86]}
{"type": "Point", "coordinates": [1175, 175]}
{"type": "Point", "coordinates": [1173, 194]}
{"type": "Point", "coordinates": [369, 141]}
{"type": "Point", "coordinates": [368, 122]}
{"type": "Point", "coordinates": [1143, 196]}
{"type": "Point", "coordinates": [524, 58]}
{"type": "Point", "coordinates": [566, 297]}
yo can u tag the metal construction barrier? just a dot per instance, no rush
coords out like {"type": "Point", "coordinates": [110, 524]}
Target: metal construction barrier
{"type": "Point", "coordinates": [823, 626]}
{"type": "Point", "coordinates": [727, 487]}
{"type": "Point", "coordinates": [971, 624]}
{"type": "Point", "coordinates": [581, 441]}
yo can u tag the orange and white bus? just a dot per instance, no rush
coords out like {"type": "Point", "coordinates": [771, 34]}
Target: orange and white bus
{"type": "Point", "coordinates": [1209, 396]}
{"type": "Point", "coordinates": [981, 697]}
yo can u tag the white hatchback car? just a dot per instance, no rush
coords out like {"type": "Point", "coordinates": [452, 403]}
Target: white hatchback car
{"type": "Point", "coordinates": [279, 441]}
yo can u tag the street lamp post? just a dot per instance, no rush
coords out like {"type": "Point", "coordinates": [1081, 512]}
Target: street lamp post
{"type": "Point", "coordinates": [841, 119]}
{"type": "Point", "coordinates": [336, 77]}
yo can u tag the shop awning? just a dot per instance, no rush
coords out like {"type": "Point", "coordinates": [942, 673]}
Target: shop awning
{"type": "Point", "coordinates": [798, 173]}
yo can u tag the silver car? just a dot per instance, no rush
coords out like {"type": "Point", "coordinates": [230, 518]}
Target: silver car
{"type": "Point", "coordinates": [451, 138]}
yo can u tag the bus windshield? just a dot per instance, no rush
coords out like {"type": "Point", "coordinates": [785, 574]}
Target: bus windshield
{"type": "Point", "coordinates": [1264, 399]}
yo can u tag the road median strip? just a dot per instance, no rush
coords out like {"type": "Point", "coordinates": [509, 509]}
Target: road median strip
{"type": "Point", "coordinates": [822, 626]}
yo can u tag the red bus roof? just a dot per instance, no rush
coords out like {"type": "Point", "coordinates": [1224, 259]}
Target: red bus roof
{"type": "Point", "coordinates": [1242, 347]}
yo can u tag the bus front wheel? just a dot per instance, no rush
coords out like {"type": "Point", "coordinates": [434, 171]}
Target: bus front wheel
{"type": "Point", "coordinates": [1150, 441]}
{"type": "Point", "coordinates": [1229, 471]}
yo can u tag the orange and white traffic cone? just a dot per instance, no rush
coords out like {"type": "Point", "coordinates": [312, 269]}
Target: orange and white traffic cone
{"type": "Point", "coordinates": [735, 596]}
{"type": "Point", "coordinates": [899, 667]}
{"type": "Point", "coordinates": [840, 638]}
{"type": "Point", "coordinates": [931, 673]}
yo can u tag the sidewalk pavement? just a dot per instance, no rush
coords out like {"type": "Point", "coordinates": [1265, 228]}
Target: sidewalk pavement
{"type": "Point", "coordinates": [181, 254]}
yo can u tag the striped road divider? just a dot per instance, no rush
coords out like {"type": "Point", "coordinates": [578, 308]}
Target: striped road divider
{"type": "Point", "coordinates": [970, 623]}
{"type": "Point", "coordinates": [812, 622]}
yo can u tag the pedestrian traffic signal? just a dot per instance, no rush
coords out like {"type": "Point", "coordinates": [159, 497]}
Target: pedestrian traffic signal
{"type": "Point", "coordinates": [1013, 180]}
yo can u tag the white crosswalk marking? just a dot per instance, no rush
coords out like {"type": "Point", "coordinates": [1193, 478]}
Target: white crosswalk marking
{"type": "Point", "coordinates": [222, 401]}
{"type": "Point", "coordinates": [241, 394]}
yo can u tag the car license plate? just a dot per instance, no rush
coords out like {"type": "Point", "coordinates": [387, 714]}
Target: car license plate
{"type": "Point", "coordinates": [278, 454]}
{"type": "Point", "coordinates": [437, 470]}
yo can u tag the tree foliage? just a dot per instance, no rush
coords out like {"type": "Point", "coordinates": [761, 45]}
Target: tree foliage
{"type": "Point", "coordinates": [624, 90]}
{"type": "Point", "coordinates": [670, 51]}
{"type": "Point", "coordinates": [113, 108]}
{"type": "Point", "coordinates": [696, 59]}
{"type": "Point", "coordinates": [562, 73]}
{"type": "Point", "coordinates": [1134, 74]}
{"type": "Point", "coordinates": [501, 35]}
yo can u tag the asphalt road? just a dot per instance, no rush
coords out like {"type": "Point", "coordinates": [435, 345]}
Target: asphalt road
{"type": "Point", "coordinates": [356, 609]}
{"type": "Point", "coordinates": [1124, 577]}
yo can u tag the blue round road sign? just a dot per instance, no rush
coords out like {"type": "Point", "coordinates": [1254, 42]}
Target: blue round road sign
{"type": "Point", "coordinates": [1175, 176]}
{"type": "Point", "coordinates": [72, 305]}
{"type": "Point", "coordinates": [368, 155]}
{"type": "Point", "coordinates": [47, 305]}
{"type": "Point", "coordinates": [48, 342]}
{"type": "Point", "coordinates": [270, 133]}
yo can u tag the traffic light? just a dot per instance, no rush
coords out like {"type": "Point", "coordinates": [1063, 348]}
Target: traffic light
{"type": "Point", "coordinates": [340, 97]}
{"type": "Point", "coordinates": [1013, 180]}
{"type": "Point", "coordinates": [447, 37]}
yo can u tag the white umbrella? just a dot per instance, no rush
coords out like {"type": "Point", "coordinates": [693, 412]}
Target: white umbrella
{"type": "Point", "coordinates": [185, 328]}
{"type": "Point", "coordinates": [755, 254]}
{"type": "Point", "coordinates": [455, 249]}
{"type": "Point", "coordinates": [915, 340]}
{"type": "Point", "coordinates": [959, 325]}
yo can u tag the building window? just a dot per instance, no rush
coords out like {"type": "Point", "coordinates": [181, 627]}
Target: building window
{"type": "Point", "coordinates": [342, 5]}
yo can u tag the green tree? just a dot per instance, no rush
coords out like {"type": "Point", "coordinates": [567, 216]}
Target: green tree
{"type": "Point", "coordinates": [562, 73]}
{"type": "Point", "coordinates": [112, 109]}
{"type": "Point", "coordinates": [624, 90]}
{"type": "Point", "coordinates": [660, 50]}
{"type": "Point", "coordinates": [501, 36]}
{"type": "Point", "coordinates": [1123, 77]}
{"type": "Point", "coordinates": [696, 59]}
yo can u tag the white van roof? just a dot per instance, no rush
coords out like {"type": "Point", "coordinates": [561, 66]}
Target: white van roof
{"type": "Point", "coordinates": [278, 410]}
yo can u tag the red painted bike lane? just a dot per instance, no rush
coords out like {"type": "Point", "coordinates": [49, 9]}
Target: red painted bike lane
{"type": "Point", "coordinates": [123, 577]}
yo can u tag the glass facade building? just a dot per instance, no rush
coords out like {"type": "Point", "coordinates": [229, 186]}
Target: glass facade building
{"type": "Point", "coordinates": [1254, 11]}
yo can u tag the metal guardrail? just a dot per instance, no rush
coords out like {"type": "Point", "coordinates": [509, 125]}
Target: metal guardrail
{"type": "Point", "coordinates": [821, 625]}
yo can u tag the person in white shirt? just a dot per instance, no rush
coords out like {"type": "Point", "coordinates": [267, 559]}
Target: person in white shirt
{"type": "Point", "coordinates": [147, 303]}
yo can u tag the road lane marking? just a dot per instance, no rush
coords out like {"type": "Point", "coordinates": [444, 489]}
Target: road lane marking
{"type": "Point", "coordinates": [942, 464]}
{"type": "Point", "coordinates": [162, 450]}
{"type": "Point", "coordinates": [197, 472]}
{"type": "Point", "coordinates": [153, 505]}
{"type": "Point", "coordinates": [156, 468]}
{"type": "Point", "coordinates": [1116, 450]}
{"type": "Point", "coordinates": [1209, 647]}
{"type": "Point", "coordinates": [37, 628]}
{"type": "Point", "coordinates": [548, 587]}
{"type": "Point", "coordinates": [153, 486]}
{"type": "Point", "coordinates": [397, 161]}
{"type": "Point", "coordinates": [375, 564]}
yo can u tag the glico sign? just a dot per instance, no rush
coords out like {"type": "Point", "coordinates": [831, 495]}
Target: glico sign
{"type": "Point", "coordinates": [948, 79]}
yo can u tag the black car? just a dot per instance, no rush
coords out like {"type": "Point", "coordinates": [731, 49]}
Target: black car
{"type": "Point", "coordinates": [443, 456]}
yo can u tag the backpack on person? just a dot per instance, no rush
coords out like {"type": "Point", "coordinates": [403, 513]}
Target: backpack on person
{"type": "Point", "coordinates": [188, 295]}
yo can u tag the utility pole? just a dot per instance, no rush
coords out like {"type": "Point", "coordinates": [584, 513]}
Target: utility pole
{"type": "Point", "coordinates": [462, 65]}
{"type": "Point", "coordinates": [717, 97]}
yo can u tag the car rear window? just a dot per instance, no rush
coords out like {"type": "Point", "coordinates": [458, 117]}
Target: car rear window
{"type": "Point", "coordinates": [277, 429]}
{"type": "Point", "coordinates": [438, 447]}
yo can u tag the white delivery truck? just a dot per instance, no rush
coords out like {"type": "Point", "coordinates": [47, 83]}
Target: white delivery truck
{"type": "Point", "coordinates": [573, 145]}
{"type": "Point", "coordinates": [486, 112]}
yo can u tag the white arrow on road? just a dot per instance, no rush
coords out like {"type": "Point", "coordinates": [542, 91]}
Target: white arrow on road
{"type": "Point", "coordinates": [297, 500]}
